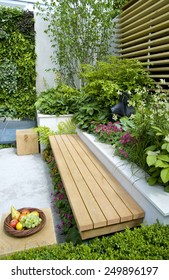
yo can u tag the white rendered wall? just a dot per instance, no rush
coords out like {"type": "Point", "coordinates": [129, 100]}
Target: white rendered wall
{"type": "Point", "coordinates": [45, 79]}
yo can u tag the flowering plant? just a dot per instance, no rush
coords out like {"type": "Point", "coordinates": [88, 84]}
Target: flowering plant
{"type": "Point", "coordinates": [108, 133]}
{"type": "Point", "coordinates": [138, 138]}
{"type": "Point", "coordinates": [59, 198]}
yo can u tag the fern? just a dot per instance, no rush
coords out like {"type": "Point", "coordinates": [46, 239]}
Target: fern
{"type": "Point", "coordinates": [67, 127]}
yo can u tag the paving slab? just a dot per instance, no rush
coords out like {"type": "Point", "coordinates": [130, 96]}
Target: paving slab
{"type": "Point", "coordinates": [25, 182]}
{"type": "Point", "coordinates": [46, 236]}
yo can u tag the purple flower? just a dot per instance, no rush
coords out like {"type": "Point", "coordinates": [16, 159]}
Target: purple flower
{"type": "Point", "coordinates": [123, 153]}
{"type": "Point", "coordinates": [126, 138]}
{"type": "Point", "coordinates": [61, 196]}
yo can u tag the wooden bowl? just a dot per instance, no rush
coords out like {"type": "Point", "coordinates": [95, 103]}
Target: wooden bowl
{"type": "Point", "coordinates": [26, 232]}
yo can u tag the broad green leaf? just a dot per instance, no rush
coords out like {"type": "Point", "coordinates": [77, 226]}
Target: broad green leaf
{"type": "Point", "coordinates": [160, 163]}
{"type": "Point", "coordinates": [151, 148]}
{"type": "Point", "coordinates": [165, 146]}
{"type": "Point", "coordinates": [151, 160]}
{"type": "Point", "coordinates": [166, 189]}
{"type": "Point", "coordinates": [165, 175]}
{"type": "Point", "coordinates": [152, 169]}
{"type": "Point", "coordinates": [151, 181]}
{"type": "Point", "coordinates": [164, 157]}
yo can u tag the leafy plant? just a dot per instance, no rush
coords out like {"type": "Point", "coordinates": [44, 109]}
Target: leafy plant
{"type": "Point", "coordinates": [17, 63]}
{"type": "Point", "coordinates": [58, 101]}
{"type": "Point", "coordinates": [66, 127]}
{"type": "Point", "coordinates": [139, 129]}
{"type": "Point", "coordinates": [104, 83]}
{"type": "Point", "coordinates": [43, 134]}
{"type": "Point", "coordinates": [148, 242]}
{"type": "Point", "coordinates": [113, 75]}
{"type": "Point", "coordinates": [88, 112]}
{"type": "Point", "coordinates": [158, 161]}
{"type": "Point", "coordinates": [108, 133]}
{"type": "Point", "coordinates": [8, 78]}
{"type": "Point", "coordinates": [80, 32]}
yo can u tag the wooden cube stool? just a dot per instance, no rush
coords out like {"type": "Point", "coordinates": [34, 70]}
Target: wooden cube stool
{"type": "Point", "coordinates": [27, 142]}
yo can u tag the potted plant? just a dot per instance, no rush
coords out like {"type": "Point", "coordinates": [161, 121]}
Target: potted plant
{"type": "Point", "coordinates": [56, 104]}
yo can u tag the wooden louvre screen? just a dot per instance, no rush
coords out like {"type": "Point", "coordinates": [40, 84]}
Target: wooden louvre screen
{"type": "Point", "coordinates": [144, 34]}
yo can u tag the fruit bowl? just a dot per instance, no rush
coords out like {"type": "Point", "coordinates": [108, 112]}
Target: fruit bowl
{"type": "Point", "coordinates": [25, 232]}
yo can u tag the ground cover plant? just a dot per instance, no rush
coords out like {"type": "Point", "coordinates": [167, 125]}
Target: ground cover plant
{"type": "Point", "coordinates": [143, 243]}
{"type": "Point", "coordinates": [59, 100]}
{"type": "Point", "coordinates": [17, 63]}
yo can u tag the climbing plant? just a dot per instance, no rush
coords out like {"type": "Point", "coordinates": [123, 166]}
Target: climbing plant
{"type": "Point", "coordinates": [81, 31]}
{"type": "Point", "coordinates": [17, 63]}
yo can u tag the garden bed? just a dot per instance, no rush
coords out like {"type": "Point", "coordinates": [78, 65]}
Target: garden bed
{"type": "Point", "coordinates": [153, 200]}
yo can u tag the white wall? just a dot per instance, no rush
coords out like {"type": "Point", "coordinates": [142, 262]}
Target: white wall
{"type": "Point", "coordinates": [45, 79]}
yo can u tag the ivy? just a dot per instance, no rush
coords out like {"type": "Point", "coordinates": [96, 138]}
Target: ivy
{"type": "Point", "coordinates": [17, 63]}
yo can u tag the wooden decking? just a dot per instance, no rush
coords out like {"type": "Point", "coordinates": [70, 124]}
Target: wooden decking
{"type": "Point", "coordinates": [99, 203]}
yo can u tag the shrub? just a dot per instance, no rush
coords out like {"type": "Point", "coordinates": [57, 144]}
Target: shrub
{"type": "Point", "coordinates": [144, 243]}
{"type": "Point", "coordinates": [104, 84]}
{"type": "Point", "coordinates": [58, 101]}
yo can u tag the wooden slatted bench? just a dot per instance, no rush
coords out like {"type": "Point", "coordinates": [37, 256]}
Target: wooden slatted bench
{"type": "Point", "coordinates": [99, 203]}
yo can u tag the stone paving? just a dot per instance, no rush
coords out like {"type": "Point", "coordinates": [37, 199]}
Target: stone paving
{"type": "Point", "coordinates": [25, 182]}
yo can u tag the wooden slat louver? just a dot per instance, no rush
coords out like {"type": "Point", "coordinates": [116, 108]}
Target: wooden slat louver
{"type": "Point", "coordinates": [144, 34]}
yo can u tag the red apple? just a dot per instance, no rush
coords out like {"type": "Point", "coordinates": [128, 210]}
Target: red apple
{"type": "Point", "coordinates": [13, 223]}
{"type": "Point", "coordinates": [25, 211]}
{"type": "Point", "coordinates": [21, 216]}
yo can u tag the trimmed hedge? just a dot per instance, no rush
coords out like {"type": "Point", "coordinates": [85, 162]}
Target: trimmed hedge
{"type": "Point", "coordinates": [17, 63]}
{"type": "Point", "coordinates": [144, 243]}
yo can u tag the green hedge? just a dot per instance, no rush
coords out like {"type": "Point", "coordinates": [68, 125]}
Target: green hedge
{"type": "Point", "coordinates": [17, 63]}
{"type": "Point", "coordinates": [144, 243]}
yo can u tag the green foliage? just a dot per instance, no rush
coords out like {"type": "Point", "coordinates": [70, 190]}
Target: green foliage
{"type": "Point", "coordinates": [158, 161]}
{"type": "Point", "coordinates": [114, 74]}
{"type": "Point", "coordinates": [90, 111]}
{"type": "Point", "coordinates": [61, 100]}
{"type": "Point", "coordinates": [104, 83]}
{"type": "Point", "coordinates": [145, 137]}
{"type": "Point", "coordinates": [66, 127]}
{"type": "Point", "coordinates": [80, 32]}
{"type": "Point", "coordinates": [17, 63]}
{"type": "Point", "coordinates": [144, 243]}
{"type": "Point", "coordinates": [43, 134]}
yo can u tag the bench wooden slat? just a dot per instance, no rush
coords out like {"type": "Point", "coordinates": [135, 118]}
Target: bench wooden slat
{"type": "Point", "coordinates": [117, 208]}
{"type": "Point", "coordinates": [79, 210]}
{"type": "Point", "coordinates": [132, 205]}
{"type": "Point", "coordinates": [96, 190]}
{"type": "Point", "coordinates": [99, 203]}
{"type": "Point", "coordinates": [98, 219]}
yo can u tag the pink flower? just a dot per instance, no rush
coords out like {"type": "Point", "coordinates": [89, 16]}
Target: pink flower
{"type": "Point", "coordinates": [123, 153]}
